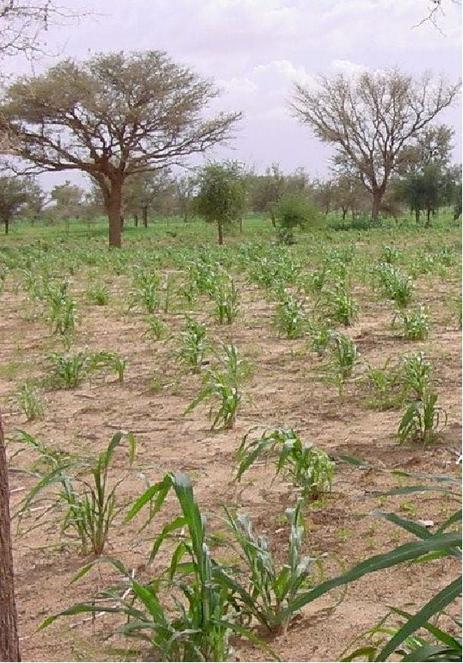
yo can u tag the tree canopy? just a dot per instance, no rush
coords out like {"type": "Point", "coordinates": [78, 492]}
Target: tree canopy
{"type": "Point", "coordinates": [113, 116]}
{"type": "Point", "coordinates": [370, 119]}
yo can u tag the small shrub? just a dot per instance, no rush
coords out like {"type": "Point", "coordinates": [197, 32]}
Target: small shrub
{"type": "Point", "coordinates": [293, 210]}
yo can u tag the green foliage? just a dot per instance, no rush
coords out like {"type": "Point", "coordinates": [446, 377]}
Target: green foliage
{"type": "Point", "coordinates": [61, 311]}
{"type": "Point", "coordinates": [67, 371]}
{"type": "Point", "coordinates": [415, 324]}
{"type": "Point", "coordinates": [194, 344]}
{"type": "Point", "coordinates": [145, 291]}
{"type": "Point", "coordinates": [188, 614]}
{"type": "Point", "coordinates": [320, 335]}
{"type": "Point", "coordinates": [307, 467]}
{"type": "Point", "coordinates": [226, 299]}
{"type": "Point", "coordinates": [157, 329]}
{"type": "Point", "coordinates": [268, 594]}
{"type": "Point", "coordinates": [294, 210]}
{"type": "Point", "coordinates": [222, 387]}
{"type": "Point", "coordinates": [422, 420]}
{"type": "Point", "coordinates": [343, 356]}
{"type": "Point", "coordinates": [290, 318]}
{"type": "Point", "coordinates": [222, 194]}
{"type": "Point", "coordinates": [416, 373]}
{"type": "Point", "coordinates": [389, 254]}
{"type": "Point", "coordinates": [88, 505]}
{"type": "Point", "coordinates": [111, 360]}
{"type": "Point", "coordinates": [30, 402]}
{"type": "Point", "coordinates": [384, 387]}
{"type": "Point", "coordinates": [395, 285]}
{"type": "Point", "coordinates": [341, 306]}
{"type": "Point", "coordinates": [98, 293]}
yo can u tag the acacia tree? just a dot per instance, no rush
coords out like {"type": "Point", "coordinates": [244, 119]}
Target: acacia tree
{"type": "Point", "coordinates": [13, 196]}
{"type": "Point", "coordinates": [142, 190]}
{"type": "Point", "coordinates": [370, 119]}
{"type": "Point", "coordinates": [113, 116]}
{"type": "Point", "coordinates": [222, 195]}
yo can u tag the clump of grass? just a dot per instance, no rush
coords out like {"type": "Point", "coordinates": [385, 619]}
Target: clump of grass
{"type": "Point", "coordinates": [30, 401]}
{"type": "Point", "coordinates": [108, 360]}
{"type": "Point", "coordinates": [422, 420]}
{"type": "Point", "coordinates": [194, 344]}
{"type": "Point", "coordinates": [145, 291]}
{"type": "Point", "coordinates": [188, 613]}
{"type": "Point", "coordinates": [341, 306]}
{"type": "Point", "coordinates": [61, 311]}
{"type": "Point", "coordinates": [343, 356]}
{"type": "Point", "coordinates": [415, 324]}
{"type": "Point", "coordinates": [157, 329]}
{"type": "Point", "coordinates": [98, 294]}
{"type": "Point", "coordinates": [384, 387]}
{"type": "Point", "coordinates": [290, 318]}
{"type": "Point", "coordinates": [320, 335]}
{"type": "Point", "coordinates": [416, 372]}
{"type": "Point", "coordinates": [389, 254]}
{"type": "Point", "coordinates": [395, 285]}
{"type": "Point", "coordinates": [222, 388]}
{"type": "Point", "coordinates": [270, 590]}
{"type": "Point", "coordinates": [68, 370]}
{"type": "Point", "coordinates": [226, 299]}
{"type": "Point", "coordinates": [88, 506]}
{"type": "Point", "coordinates": [307, 467]}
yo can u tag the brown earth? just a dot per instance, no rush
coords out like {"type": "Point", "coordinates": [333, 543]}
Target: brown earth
{"type": "Point", "coordinates": [284, 388]}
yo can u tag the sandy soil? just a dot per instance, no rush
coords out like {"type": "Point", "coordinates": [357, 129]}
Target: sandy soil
{"type": "Point", "coordinates": [284, 388]}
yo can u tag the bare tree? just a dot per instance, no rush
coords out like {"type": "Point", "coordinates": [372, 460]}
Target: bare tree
{"type": "Point", "coordinates": [370, 119]}
{"type": "Point", "coordinates": [112, 117]}
{"type": "Point", "coordinates": [22, 23]}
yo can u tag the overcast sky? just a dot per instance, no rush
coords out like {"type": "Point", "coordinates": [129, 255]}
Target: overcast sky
{"type": "Point", "coordinates": [256, 49]}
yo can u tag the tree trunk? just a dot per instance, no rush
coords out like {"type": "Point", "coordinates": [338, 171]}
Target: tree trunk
{"type": "Point", "coordinates": [377, 198]}
{"type": "Point", "coordinates": [344, 213]}
{"type": "Point", "coordinates": [220, 228]}
{"type": "Point", "coordinates": [135, 220]}
{"type": "Point", "coordinates": [145, 215]}
{"type": "Point", "coordinates": [9, 643]}
{"type": "Point", "coordinates": [417, 215]}
{"type": "Point", "coordinates": [114, 212]}
{"type": "Point", "coordinates": [428, 217]}
{"type": "Point", "coordinates": [7, 226]}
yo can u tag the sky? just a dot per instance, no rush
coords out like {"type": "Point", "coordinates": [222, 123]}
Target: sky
{"type": "Point", "coordinates": [256, 49]}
